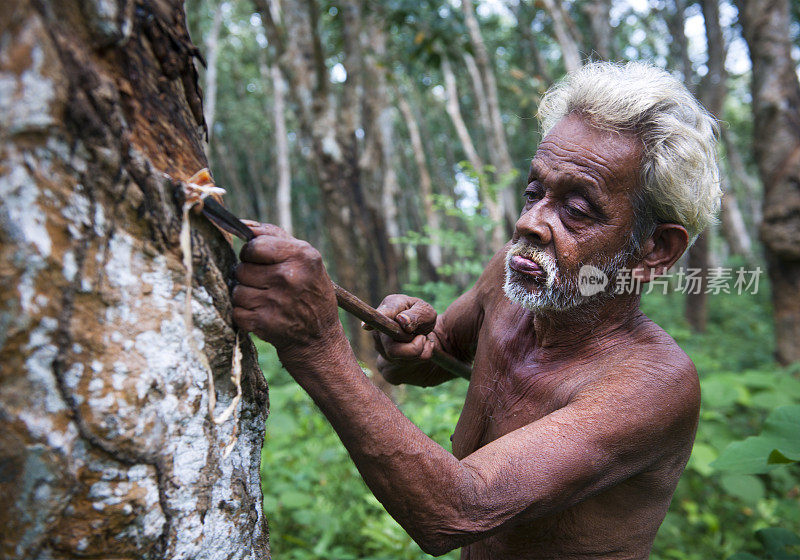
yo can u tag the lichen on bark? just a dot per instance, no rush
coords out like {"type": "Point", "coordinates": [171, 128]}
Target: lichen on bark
{"type": "Point", "coordinates": [107, 448]}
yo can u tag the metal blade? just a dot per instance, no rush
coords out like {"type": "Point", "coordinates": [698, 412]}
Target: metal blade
{"type": "Point", "coordinates": [217, 213]}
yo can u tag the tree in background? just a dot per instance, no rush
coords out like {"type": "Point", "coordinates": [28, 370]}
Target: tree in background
{"type": "Point", "coordinates": [776, 145]}
{"type": "Point", "coordinates": [363, 259]}
{"type": "Point", "coordinates": [107, 448]}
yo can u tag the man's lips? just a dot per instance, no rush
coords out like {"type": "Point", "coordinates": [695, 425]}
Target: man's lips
{"type": "Point", "coordinates": [526, 266]}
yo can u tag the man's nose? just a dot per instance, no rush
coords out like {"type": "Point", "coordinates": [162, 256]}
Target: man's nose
{"type": "Point", "coordinates": [534, 224]}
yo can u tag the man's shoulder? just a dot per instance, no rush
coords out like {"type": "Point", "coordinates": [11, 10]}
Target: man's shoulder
{"type": "Point", "coordinates": [652, 366]}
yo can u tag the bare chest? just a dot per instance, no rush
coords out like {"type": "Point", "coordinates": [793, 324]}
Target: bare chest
{"type": "Point", "coordinates": [512, 386]}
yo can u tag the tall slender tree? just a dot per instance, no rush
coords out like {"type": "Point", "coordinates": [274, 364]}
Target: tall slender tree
{"type": "Point", "coordinates": [488, 98]}
{"type": "Point", "coordinates": [776, 141]}
{"type": "Point", "coordinates": [362, 256]}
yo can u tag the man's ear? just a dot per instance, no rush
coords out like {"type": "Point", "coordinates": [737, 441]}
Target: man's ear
{"type": "Point", "coordinates": [661, 251]}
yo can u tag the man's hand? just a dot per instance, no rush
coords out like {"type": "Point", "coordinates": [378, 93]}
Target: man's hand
{"type": "Point", "coordinates": [284, 294]}
{"type": "Point", "coordinates": [415, 317]}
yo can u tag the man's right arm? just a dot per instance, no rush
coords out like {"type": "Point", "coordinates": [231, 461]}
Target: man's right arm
{"type": "Point", "coordinates": [455, 331]}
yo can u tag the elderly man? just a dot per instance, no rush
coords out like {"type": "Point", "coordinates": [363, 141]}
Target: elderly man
{"type": "Point", "coordinates": [581, 412]}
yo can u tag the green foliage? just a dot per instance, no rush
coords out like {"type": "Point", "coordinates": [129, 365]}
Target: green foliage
{"type": "Point", "coordinates": [777, 444]}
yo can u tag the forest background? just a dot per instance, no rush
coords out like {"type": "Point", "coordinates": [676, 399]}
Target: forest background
{"type": "Point", "coordinates": [395, 137]}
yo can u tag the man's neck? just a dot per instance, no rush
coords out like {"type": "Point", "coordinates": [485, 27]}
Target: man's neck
{"type": "Point", "coordinates": [581, 330]}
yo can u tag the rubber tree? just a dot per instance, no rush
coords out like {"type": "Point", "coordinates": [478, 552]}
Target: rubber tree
{"type": "Point", "coordinates": [776, 147]}
{"type": "Point", "coordinates": [362, 257]}
{"type": "Point", "coordinates": [107, 448]}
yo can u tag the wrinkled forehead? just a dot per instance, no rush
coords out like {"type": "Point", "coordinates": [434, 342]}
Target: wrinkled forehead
{"type": "Point", "coordinates": [576, 151]}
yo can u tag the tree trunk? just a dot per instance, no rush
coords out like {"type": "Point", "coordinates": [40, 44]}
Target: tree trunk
{"type": "Point", "coordinates": [363, 259]}
{"type": "Point", "coordinates": [532, 57]}
{"type": "Point", "coordinates": [283, 193]}
{"type": "Point", "coordinates": [283, 196]}
{"type": "Point", "coordinates": [733, 227]}
{"type": "Point", "coordinates": [212, 55]}
{"type": "Point", "coordinates": [696, 310]}
{"type": "Point", "coordinates": [713, 90]}
{"type": "Point", "coordinates": [107, 450]}
{"type": "Point", "coordinates": [776, 140]}
{"type": "Point", "coordinates": [453, 108]}
{"type": "Point", "coordinates": [679, 47]}
{"type": "Point", "coordinates": [434, 252]}
{"type": "Point", "coordinates": [598, 12]}
{"type": "Point", "coordinates": [563, 29]}
{"type": "Point", "coordinates": [749, 183]}
{"type": "Point", "coordinates": [499, 155]}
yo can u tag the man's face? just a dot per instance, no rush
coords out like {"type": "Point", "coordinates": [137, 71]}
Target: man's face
{"type": "Point", "coordinates": [577, 212]}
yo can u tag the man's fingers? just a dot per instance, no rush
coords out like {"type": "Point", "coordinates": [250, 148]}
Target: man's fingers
{"type": "Point", "coordinates": [394, 304]}
{"type": "Point", "coordinates": [419, 318]}
{"type": "Point", "coordinates": [414, 315]}
{"type": "Point", "coordinates": [266, 229]}
{"type": "Point", "coordinates": [255, 275]}
{"type": "Point", "coordinates": [394, 350]}
{"type": "Point", "coordinates": [378, 343]}
{"type": "Point", "coordinates": [247, 297]}
{"type": "Point", "coordinates": [245, 319]}
{"type": "Point", "coordinates": [427, 349]}
{"type": "Point", "coordinates": [268, 249]}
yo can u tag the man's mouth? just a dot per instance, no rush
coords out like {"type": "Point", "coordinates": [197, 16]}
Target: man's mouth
{"type": "Point", "coordinates": [526, 266]}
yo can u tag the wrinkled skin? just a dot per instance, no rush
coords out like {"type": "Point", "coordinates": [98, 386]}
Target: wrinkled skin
{"type": "Point", "coordinates": [575, 428]}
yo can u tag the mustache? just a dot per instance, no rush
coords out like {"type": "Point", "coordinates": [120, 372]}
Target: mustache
{"type": "Point", "coordinates": [529, 251]}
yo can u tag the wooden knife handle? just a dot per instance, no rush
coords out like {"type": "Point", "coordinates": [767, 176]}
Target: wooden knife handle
{"type": "Point", "coordinates": [382, 323]}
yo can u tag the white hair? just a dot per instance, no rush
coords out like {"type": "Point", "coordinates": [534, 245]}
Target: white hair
{"type": "Point", "coordinates": [679, 173]}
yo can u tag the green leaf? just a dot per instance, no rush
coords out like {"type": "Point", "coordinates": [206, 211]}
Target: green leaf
{"type": "Point", "coordinates": [746, 487]}
{"type": "Point", "coordinates": [778, 458]}
{"type": "Point", "coordinates": [781, 433]}
{"type": "Point", "coordinates": [745, 457]}
{"type": "Point", "coordinates": [702, 456]}
{"type": "Point", "coordinates": [719, 392]}
{"type": "Point", "coordinates": [777, 542]}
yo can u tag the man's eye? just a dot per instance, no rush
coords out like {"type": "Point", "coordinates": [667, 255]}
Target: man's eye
{"type": "Point", "coordinates": [532, 196]}
{"type": "Point", "coordinates": [575, 212]}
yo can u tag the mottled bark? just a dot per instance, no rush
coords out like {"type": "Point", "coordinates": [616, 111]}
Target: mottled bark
{"type": "Point", "coordinates": [107, 450]}
{"type": "Point", "coordinates": [776, 140]}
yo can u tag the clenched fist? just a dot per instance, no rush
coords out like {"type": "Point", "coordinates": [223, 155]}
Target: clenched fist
{"type": "Point", "coordinates": [284, 294]}
{"type": "Point", "coordinates": [416, 317]}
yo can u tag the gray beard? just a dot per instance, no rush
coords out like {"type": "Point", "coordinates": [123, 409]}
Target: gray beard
{"type": "Point", "coordinates": [559, 292]}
